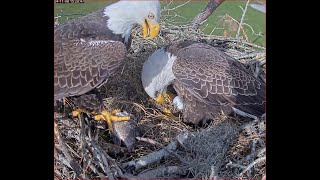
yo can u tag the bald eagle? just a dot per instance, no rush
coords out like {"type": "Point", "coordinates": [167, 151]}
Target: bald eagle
{"type": "Point", "coordinates": [206, 80]}
{"type": "Point", "coordinates": [90, 49]}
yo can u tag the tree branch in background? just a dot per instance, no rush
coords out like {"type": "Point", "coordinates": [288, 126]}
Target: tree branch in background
{"type": "Point", "coordinates": [205, 13]}
{"type": "Point", "coordinates": [242, 18]}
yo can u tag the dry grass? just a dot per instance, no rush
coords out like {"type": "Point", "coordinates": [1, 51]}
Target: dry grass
{"type": "Point", "coordinates": [90, 149]}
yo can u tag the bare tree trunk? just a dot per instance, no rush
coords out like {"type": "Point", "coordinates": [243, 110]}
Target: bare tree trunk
{"type": "Point", "coordinates": [205, 13]}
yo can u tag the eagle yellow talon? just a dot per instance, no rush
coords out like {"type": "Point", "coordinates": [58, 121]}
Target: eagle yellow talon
{"type": "Point", "coordinates": [99, 117]}
{"type": "Point", "coordinates": [115, 111]}
{"type": "Point", "coordinates": [76, 113]}
{"type": "Point", "coordinates": [167, 111]}
{"type": "Point", "coordinates": [168, 114]}
{"type": "Point", "coordinates": [110, 117]}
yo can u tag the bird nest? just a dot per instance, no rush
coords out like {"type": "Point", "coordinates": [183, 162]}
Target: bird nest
{"type": "Point", "coordinates": [228, 147]}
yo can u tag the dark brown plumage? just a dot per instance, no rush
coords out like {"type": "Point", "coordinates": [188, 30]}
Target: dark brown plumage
{"type": "Point", "coordinates": [209, 81]}
{"type": "Point", "coordinates": [86, 54]}
{"type": "Point", "coordinates": [90, 49]}
{"type": "Point", "coordinates": [206, 80]}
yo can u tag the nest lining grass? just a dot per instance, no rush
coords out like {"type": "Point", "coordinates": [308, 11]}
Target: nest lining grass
{"type": "Point", "coordinates": [206, 155]}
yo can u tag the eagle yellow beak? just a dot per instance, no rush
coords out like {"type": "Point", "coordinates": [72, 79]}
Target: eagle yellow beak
{"type": "Point", "coordinates": [160, 98]}
{"type": "Point", "coordinates": [150, 30]}
{"type": "Point", "coordinates": [165, 97]}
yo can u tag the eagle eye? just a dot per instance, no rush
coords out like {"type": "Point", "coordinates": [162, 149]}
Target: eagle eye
{"type": "Point", "coordinates": [151, 16]}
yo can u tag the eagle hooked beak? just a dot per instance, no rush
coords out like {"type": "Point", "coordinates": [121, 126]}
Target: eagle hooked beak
{"type": "Point", "coordinates": [165, 97]}
{"type": "Point", "coordinates": [150, 30]}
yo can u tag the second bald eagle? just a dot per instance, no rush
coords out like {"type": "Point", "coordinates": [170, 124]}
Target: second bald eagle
{"type": "Point", "coordinates": [89, 50]}
{"type": "Point", "coordinates": [206, 80]}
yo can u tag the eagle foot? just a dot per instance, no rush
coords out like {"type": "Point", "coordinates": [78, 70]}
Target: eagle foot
{"type": "Point", "coordinates": [169, 114]}
{"type": "Point", "coordinates": [110, 117]}
{"type": "Point", "coordinates": [76, 112]}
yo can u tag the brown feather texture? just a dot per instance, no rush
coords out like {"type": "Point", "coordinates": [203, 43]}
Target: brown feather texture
{"type": "Point", "coordinates": [209, 81]}
{"type": "Point", "coordinates": [86, 54]}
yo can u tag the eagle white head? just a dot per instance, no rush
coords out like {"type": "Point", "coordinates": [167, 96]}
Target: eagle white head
{"type": "Point", "coordinates": [157, 75]}
{"type": "Point", "coordinates": [124, 14]}
{"type": "Point", "coordinates": [157, 72]}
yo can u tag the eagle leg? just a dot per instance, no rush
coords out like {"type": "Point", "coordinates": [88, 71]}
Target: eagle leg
{"type": "Point", "coordinates": [76, 112]}
{"type": "Point", "coordinates": [110, 117]}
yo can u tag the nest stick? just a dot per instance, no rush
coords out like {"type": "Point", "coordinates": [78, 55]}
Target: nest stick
{"type": "Point", "coordinates": [155, 156]}
{"type": "Point", "coordinates": [231, 164]}
{"type": "Point", "coordinates": [150, 141]}
{"type": "Point", "coordinates": [167, 171]}
{"type": "Point", "coordinates": [76, 168]}
{"type": "Point", "coordinates": [115, 165]}
{"type": "Point", "coordinates": [213, 173]}
{"type": "Point", "coordinates": [106, 167]}
{"type": "Point", "coordinates": [94, 169]}
{"type": "Point", "coordinates": [152, 157]}
{"type": "Point", "coordinates": [82, 141]}
{"type": "Point", "coordinates": [252, 164]}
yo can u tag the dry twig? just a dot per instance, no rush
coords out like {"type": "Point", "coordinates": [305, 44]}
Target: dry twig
{"type": "Point", "coordinates": [105, 165]}
{"type": "Point", "coordinates": [164, 171]}
{"type": "Point", "coordinates": [64, 149]}
{"type": "Point", "coordinates": [153, 157]}
{"type": "Point", "coordinates": [259, 160]}
{"type": "Point", "coordinates": [242, 18]}
{"type": "Point", "coordinates": [150, 141]}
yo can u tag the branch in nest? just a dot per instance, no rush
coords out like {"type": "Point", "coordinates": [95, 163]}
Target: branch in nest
{"type": "Point", "coordinates": [75, 167]}
{"type": "Point", "coordinates": [261, 159]}
{"type": "Point", "coordinates": [156, 156]}
{"type": "Point", "coordinates": [94, 169]}
{"type": "Point", "coordinates": [239, 42]}
{"type": "Point", "coordinates": [150, 141]}
{"type": "Point", "coordinates": [213, 173]}
{"type": "Point", "coordinates": [151, 158]}
{"type": "Point", "coordinates": [168, 171]}
{"type": "Point", "coordinates": [110, 148]}
{"type": "Point", "coordinates": [205, 13]}
{"type": "Point", "coordinates": [170, 31]}
{"type": "Point", "coordinates": [231, 164]}
{"type": "Point", "coordinates": [249, 158]}
{"type": "Point", "coordinates": [102, 156]}
{"type": "Point", "coordinates": [252, 55]}
{"type": "Point", "coordinates": [82, 141]}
